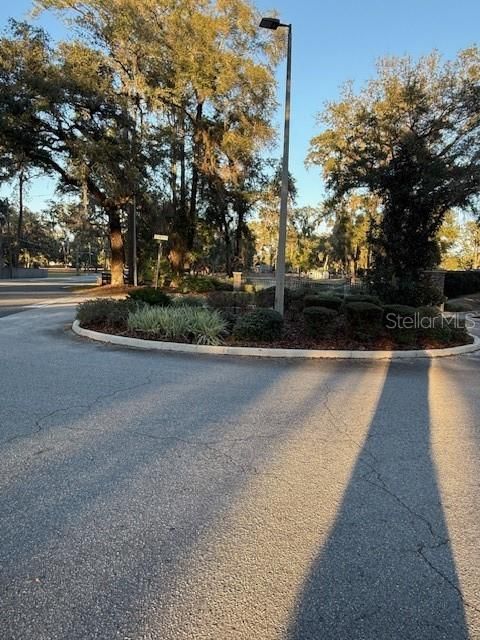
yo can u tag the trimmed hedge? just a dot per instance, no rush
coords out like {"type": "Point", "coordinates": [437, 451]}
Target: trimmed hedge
{"type": "Point", "coordinates": [462, 283]}
{"type": "Point", "coordinates": [400, 319]}
{"type": "Point", "coordinates": [362, 297]}
{"type": "Point", "coordinates": [263, 325]}
{"type": "Point", "coordinates": [105, 311]}
{"type": "Point", "coordinates": [428, 312]}
{"type": "Point", "coordinates": [232, 300]}
{"type": "Point", "coordinates": [151, 296]}
{"type": "Point", "coordinates": [409, 292]}
{"type": "Point", "coordinates": [265, 298]}
{"type": "Point", "coordinates": [397, 310]}
{"type": "Point", "coordinates": [201, 284]}
{"type": "Point", "coordinates": [296, 303]}
{"type": "Point", "coordinates": [188, 301]}
{"type": "Point", "coordinates": [319, 300]}
{"type": "Point", "coordinates": [318, 320]}
{"type": "Point", "coordinates": [363, 318]}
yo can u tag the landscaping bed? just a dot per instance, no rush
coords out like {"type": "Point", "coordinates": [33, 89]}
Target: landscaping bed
{"type": "Point", "coordinates": [320, 322]}
{"type": "Point", "coordinates": [293, 338]}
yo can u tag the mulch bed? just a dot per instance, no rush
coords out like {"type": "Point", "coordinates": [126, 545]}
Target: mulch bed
{"type": "Point", "coordinates": [294, 338]}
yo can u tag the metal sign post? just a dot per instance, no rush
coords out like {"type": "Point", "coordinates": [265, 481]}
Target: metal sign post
{"type": "Point", "coordinates": [159, 238]}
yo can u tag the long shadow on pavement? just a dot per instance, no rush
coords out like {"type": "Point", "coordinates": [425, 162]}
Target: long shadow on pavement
{"type": "Point", "coordinates": [387, 570]}
{"type": "Point", "coordinates": [50, 518]}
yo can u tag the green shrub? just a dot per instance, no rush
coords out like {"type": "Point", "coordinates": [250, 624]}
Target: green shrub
{"type": "Point", "coordinates": [362, 297]}
{"type": "Point", "coordinates": [462, 283]}
{"type": "Point", "coordinates": [363, 318]}
{"type": "Point", "coordinates": [105, 311]}
{"type": "Point", "coordinates": [327, 301]}
{"type": "Point", "coordinates": [429, 312]}
{"type": "Point", "coordinates": [265, 298]}
{"type": "Point", "coordinates": [248, 287]}
{"type": "Point", "coordinates": [189, 324]}
{"type": "Point", "coordinates": [432, 325]}
{"type": "Point", "coordinates": [318, 320]}
{"type": "Point", "coordinates": [293, 298]}
{"type": "Point", "coordinates": [201, 284]}
{"type": "Point", "coordinates": [188, 301]}
{"type": "Point", "coordinates": [295, 303]}
{"type": "Point", "coordinates": [147, 268]}
{"type": "Point", "coordinates": [236, 301]}
{"type": "Point", "coordinates": [401, 321]}
{"type": "Point", "coordinates": [150, 296]}
{"type": "Point", "coordinates": [445, 331]}
{"type": "Point", "coordinates": [397, 311]}
{"type": "Point", "coordinates": [415, 294]}
{"type": "Point", "coordinates": [262, 325]}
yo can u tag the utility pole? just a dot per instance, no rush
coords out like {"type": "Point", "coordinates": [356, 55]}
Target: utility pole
{"type": "Point", "coordinates": [274, 24]}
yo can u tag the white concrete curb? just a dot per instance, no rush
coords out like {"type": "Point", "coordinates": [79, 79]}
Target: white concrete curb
{"type": "Point", "coordinates": [262, 352]}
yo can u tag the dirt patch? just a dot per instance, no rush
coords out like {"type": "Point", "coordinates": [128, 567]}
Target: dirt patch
{"type": "Point", "coordinates": [104, 291]}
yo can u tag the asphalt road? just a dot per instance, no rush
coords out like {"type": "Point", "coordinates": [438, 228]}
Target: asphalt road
{"type": "Point", "coordinates": [18, 295]}
{"type": "Point", "coordinates": [167, 497]}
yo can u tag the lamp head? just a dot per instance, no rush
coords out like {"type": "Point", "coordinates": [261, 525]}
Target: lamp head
{"type": "Point", "coordinates": [270, 23]}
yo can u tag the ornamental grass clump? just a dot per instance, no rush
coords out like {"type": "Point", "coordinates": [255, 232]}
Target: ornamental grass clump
{"type": "Point", "coordinates": [180, 324]}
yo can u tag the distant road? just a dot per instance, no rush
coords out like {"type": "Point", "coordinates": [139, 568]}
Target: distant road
{"type": "Point", "coordinates": [17, 295]}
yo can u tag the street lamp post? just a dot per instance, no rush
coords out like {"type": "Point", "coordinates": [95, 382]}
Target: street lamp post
{"type": "Point", "coordinates": [274, 23]}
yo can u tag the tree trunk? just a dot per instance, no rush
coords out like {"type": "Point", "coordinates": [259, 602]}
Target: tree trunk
{"type": "Point", "coordinates": [179, 233]}
{"type": "Point", "coordinates": [228, 245]}
{"type": "Point", "coordinates": [116, 246]}
{"type": "Point", "coordinates": [176, 255]}
{"type": "Point", "coordinates": [130, 242]}
{"type": "Point", "coordinates": [239, 236]}
{"type": "Point", "coordinates": [174, 153]}
{"type": "Point", "coordinates": [21, 181]}
{"type": "Point", "coordinates": [195, 177]}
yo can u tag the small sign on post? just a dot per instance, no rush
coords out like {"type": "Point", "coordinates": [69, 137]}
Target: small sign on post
{"type": "Point", "coordinates": [159, 238]}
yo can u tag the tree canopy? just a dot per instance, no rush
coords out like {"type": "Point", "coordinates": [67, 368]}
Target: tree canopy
{"type": "Point", "coordinates": [411, 137]}
{"type": "Point", "coordinates": [153, 103]}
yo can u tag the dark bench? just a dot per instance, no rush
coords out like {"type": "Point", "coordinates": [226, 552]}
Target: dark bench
{"type": "Point", "coordinates": [107, 277]}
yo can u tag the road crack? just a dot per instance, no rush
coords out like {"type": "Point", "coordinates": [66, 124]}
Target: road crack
{"type": "Point", "coordinates": [38, 424]}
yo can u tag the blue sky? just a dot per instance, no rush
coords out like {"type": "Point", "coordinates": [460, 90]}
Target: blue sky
{"type": "Point", "coordinates": [333, 41]}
